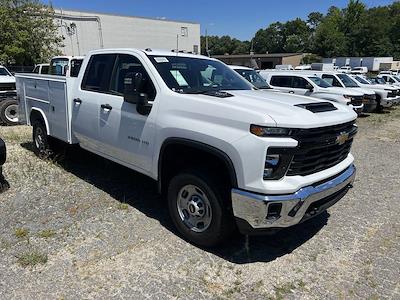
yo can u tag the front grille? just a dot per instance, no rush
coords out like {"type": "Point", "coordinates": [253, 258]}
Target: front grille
{"type": "Point", "coordinates": [321, 148]}
{"type": "Point", "coordinates": [357, 100]}
{"type": "Point", "coordinates": [7, 87]}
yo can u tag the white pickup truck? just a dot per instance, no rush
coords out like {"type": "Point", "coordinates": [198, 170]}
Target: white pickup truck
{"type": "Point", "coordinates": [8, 102]}
{"type": "Point", "coordinates": [225, 155]}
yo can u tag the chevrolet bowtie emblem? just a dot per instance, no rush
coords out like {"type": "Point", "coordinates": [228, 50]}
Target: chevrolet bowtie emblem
{"type": "Point", "coordinates": [342, 138]}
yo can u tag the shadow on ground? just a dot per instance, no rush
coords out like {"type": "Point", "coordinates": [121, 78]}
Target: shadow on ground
{"type": "Point", "coordinates": [140, 192]}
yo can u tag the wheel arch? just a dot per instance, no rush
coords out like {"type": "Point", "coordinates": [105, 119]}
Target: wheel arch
{"type": "Point", "coordinates": [199, 147]}
{"type": "Point", "coordinates": [37, 114]}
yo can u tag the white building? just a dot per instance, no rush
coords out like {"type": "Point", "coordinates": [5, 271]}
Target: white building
{"type": "Point", "coordinates": [372, 63]}
{"type": "Point", "coordinates": [85, 31]}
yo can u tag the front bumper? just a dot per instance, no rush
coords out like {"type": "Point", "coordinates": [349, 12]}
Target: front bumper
{"type": "Point", "coordinates": [388, 102]}
{"type": "Point", "coordinates": [358, 109]}
{"type": "Point", "coordinates": [255, 212]}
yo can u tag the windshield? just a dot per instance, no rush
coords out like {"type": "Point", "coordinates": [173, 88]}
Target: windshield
{"type": "Point", "coordinates": [320, 82]}
{"type": "Point", "coordinates": [195, 75]}
{"type": "Point", "coordinates": [361, 80]}
{"type": "Point", "coordinates": [254, 78]}
{"type": "Point", "coordinates": [397, 78]}
{"type": "Point", "coordinates": [347, 81]}
{"type": "Point", "coordinates": [4, 72]}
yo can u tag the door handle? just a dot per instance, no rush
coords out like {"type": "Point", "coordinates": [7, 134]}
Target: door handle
{"type": "Point", "coordinates": [291, 92]}
{"type": "Point", "coordinates": [106, 106]}
{"type": "Point", "coordinates": [77, 101]}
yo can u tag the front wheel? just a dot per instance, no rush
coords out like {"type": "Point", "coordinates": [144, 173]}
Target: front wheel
{"type": "Point", "coordinates": [200, 208]}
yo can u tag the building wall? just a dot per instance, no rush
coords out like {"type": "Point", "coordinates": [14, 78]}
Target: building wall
{"type": "Point", "coordinates": [372, 63]}
{"type": "Point", "coordinates": [93, 31]}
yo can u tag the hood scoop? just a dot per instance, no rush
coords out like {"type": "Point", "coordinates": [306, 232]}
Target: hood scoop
{"type": "Point", "coordinates": [318, 107]}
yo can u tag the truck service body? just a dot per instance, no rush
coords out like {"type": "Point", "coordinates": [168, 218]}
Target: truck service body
{"type": "Point", "coordinates": [220, 150]}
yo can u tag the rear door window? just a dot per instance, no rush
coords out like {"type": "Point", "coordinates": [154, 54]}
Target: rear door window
{"type": "Point", "coordinates": [281, 81]}
{"type": "Point", "coordinates": [98, 73]}
{"type": "Point", "coordinates": [59, 66]}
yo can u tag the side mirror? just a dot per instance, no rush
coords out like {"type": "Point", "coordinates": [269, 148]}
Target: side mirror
{"type": "Point", "coordinates": [309, 87]}
{"type": "Point", "coordinates": [133, 84]}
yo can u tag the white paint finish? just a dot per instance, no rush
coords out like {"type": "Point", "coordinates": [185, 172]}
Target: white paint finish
{"type": "Point", "coordinates": [124, 32]}
{"type": "Point", "coordinates": [220, 123]}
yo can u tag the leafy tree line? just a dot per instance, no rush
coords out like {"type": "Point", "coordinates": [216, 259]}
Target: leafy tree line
{"type": "Point", "coordinates": [28, 33]}
{"type": "Point", "coordinates": [353, 31]}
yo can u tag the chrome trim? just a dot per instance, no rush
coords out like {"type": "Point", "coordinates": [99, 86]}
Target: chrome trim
{"type": "Point", "coordinates": [253, 207]}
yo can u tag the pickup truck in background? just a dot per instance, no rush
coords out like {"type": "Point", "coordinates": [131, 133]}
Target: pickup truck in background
{"type": "Point", "coordinates": [41, 69]}
{"type": "Point", "coordinates": [8, 101]}
{"type": "Point", "coordinates": [341, 80]}
{"type": "Point", "coordinates": [294, 82]}
{"type": "Point", "coordinates": [225, 155]}
{"type": "Point", "coordinates": [391, 79]}
{"type": "Point", "coordinates": [387, 95]}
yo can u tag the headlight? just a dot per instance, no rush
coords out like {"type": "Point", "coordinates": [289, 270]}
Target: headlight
{"type": "Point", "coordinates": [262, 131]}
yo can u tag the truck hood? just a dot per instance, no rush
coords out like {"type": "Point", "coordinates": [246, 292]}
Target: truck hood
{"type": "Point", "coordinates": [341, 91]}
{"type": "Point", "coordinates": [281, 107]}
{"type": "Point", "coordinates": [363, 91]}
{"type": "Point", "coordinates": [7, 79]}
{"type": "Point", "coordinates": [380, 87]}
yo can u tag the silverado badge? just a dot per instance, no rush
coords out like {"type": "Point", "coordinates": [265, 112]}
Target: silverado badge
{"type": "Point", "coordinates": [342, 138]}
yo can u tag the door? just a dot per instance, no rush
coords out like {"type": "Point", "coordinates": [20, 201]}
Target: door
{"type": "Point", "coordinates": [282, 83]}
{"type": "Point", "coordinates": [86, 102]}
{"type": "Point", "coordinates": [125, 134]}
{"type": "Point", "coordinates": [301, 86]}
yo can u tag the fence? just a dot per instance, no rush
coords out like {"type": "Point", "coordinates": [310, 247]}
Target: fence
{"type": "Point", "coordinates": [20, 69]}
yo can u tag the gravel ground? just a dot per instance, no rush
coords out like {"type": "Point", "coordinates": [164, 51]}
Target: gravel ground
{"type": "Point", "coordinates": [83, 227]}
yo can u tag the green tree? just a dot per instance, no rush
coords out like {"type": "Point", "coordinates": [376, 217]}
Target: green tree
{"type": "Point", "coordinates": [28, 33]}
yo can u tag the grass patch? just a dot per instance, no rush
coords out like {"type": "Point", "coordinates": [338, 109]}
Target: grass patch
{"type": "Point", "coordinates": [21, 233]}
{"type": "Point", "coordinates": [46, 234]}
{"type": "Point", "coordinates": [30, 259]}
{"type": "Point", "coordinates": [123, 206]}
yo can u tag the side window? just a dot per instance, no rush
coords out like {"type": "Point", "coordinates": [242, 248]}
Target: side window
{"type": "Point", "coordinates": [45, 70]}
{"type": "Point", "coordinates": [299, 83]}
{"type": "Point", "coordinates": [281, 81]}
{"type": "Point", "coordinates": [128, 64]}
{"type": "Point", "coordinates": [36, 69]}
{"type": "Point", "coordinates": [331, 80]}
{"type": "Point", "coordinates": [98, 73]}
{"type": "Point", "coordinates": [75, 67]}
{"type": "Point", "coordinates": [59, 66]}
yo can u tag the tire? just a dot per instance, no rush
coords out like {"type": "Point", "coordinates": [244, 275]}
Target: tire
{"type": "Point", "coordinates": [41, 141]}
{"type": "Point", "coordinates": [200, 209]}
{"type": "Point", "coordinates": [9, 112]}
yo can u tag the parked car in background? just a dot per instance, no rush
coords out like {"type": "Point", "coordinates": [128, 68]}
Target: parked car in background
{"type": "Point", "coordinates": [313, 86]}
{"type": "Point", "coordinates": [359, 70]}
{"type": "Point", "coordinates": [224, 154]}
{"type": "Point", "coordinates": [8, 101]}
{"type": "Point", "coordinates": [345, 69]}
{"type": "Point", "coordinates": [342, 80]}
{"type": "Point", "coordinates": [67, 66]}
{"type": "Point", "coordinates": [41, 69]}
{"type": "Point", "coordinates": [390, 79]}
{"type": "Point", "coordinates": [3, 182]}
{"type": "Point", "coordinates": [252, 76]}
{"type": "Point", "coordinates": [387, 95]}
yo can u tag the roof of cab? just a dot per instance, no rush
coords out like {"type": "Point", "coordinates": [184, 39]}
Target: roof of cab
{"type": "Point", "coordinates": [154, 52]}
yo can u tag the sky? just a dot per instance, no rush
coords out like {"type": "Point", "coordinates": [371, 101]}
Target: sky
{"type": "Point", "coordinates": [219, 17]}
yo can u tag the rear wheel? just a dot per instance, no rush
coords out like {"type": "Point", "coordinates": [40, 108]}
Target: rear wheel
{"type": "Point", "coordinates": [41, 140]}
{"type": "Point", "coordinates": [9, 112]}
{"type": "Point", "coordinates": [200, 208]}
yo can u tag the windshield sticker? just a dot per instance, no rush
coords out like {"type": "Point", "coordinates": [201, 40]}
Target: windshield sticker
{"type": "Point", "coordinates": [161, 59]}
{"type": "Point", "coordinates": [179, 78]}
